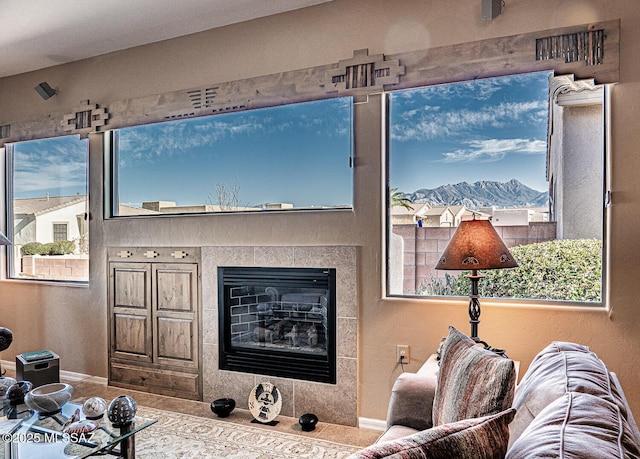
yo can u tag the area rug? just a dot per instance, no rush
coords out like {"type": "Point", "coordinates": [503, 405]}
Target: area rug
{"type": "Point", "coordinates": [177, 435]}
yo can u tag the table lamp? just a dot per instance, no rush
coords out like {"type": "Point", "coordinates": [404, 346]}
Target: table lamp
{"type": "Point", "coordinates": [476, 245]}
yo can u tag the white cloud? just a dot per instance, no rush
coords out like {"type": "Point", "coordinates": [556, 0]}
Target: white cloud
{"type": "Point", "coordinates": [494, 150]}
{"type": "Point", "coordinates": [50, 164]}
{"type": "Point", "coordinates": [434, 123]}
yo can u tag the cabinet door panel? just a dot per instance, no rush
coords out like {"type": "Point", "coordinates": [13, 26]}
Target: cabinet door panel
{"type": "Point", "coordinates": [130, 334]}
{"type": "Point", "coordinates": [174, 289]}
{"type": "Point", "coordinates": [175, 338]}
{"type": "Point", "coordinates": [131, 287]}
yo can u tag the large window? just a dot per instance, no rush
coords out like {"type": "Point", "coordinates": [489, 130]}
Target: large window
{"type": "Point", "coordinates": [47, 208]}
{"type": "Point", "coordinates": [504, 150]}
{"type": "Point", "coordinates": [287, 157]}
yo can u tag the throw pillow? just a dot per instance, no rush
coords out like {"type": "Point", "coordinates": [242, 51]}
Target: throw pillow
{"type": "Point", "coordinates": [480, 438]}
{"type": "Point", "coordinates": [472, 382]}
{"type": "Point", "coordinates": [577, 425]}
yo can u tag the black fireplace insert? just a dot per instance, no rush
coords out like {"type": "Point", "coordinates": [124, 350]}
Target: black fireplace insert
{"type": "Point", "coordinates": [278, 321]}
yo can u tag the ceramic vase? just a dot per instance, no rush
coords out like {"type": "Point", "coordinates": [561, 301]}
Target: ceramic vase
{"type": "Point", "coordinates": [223, 406]}
{"type": "Point", "coordinates": [5, 383]}
{"type": "Point", "coordinates": [308, 422]}
{"type": "Point", "coordinates": [16, 392]}
{"type": "Point", "coordinates": [48, 399]}
{"type": "Point", "coordinates": [122, 410]}
{"type": "Point", "coordinates": [94, 407]}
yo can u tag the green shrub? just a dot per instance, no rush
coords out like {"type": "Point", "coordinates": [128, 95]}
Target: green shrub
{"type": "Point", "coordinates": [61, 247]}
{"type": "Point", "coordinates": [556, 270]}
{"type": "Point", "coordinates": [50, 248]}
{"type": "Point", "coordinates": [31, 248]}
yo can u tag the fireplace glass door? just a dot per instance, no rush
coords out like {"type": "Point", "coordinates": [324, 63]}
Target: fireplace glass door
{"type": "Point", "coordinates": [278, 321]}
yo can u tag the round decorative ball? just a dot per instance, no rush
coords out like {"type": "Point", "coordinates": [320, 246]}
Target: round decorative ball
{"type": "Point", "coordinates": [308, 422]}
{"type": "Point", "coordinates": [94, 408]}
{"type": "Point", "coordinates": [48, 399]}
{"type": "Point", "coordinates": [6, 337]}
{"type": "Point", "coordinates": [5, 383]}
{"type": "Point", "coordinates": [122, 410]}
{"type": "Point", "coordinates": [16, 392]}
{"type": "Point", "coordinates": [223, 406]}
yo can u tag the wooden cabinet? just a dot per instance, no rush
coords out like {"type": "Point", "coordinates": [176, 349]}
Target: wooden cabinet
{"type": "Point", "coordinates": [154, 320]}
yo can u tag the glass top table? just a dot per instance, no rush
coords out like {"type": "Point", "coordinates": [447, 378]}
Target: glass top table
{"type": "Point", "coordinates": [25, 434]}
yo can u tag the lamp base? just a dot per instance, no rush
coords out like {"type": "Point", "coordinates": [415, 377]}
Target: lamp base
{"type": "Point", "coordinates": [501, 352]}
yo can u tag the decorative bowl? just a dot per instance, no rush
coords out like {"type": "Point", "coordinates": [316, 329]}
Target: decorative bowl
{"type": "Point", "coordinates": [16, 392]}
{"type": "Point", "coordinates": [48, 399]}
{"type": "Point", "coordinates": [94, 407]}
{"type": "Point", "coordinates": [122, 410]}
{"type": "Point", "coordinates": [80, 427]}
{"type": "Point", "coordinates": [308, 422]}
{"type": "Point", "coordinates": [5, 383]}
{"type": "Point", "coordinates": [223, 406]}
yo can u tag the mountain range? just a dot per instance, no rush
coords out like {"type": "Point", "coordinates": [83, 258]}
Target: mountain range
{"type": "Point", "coordinates": [481, 194]}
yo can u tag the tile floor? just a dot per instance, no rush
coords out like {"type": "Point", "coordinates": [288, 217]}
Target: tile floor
{"type": "Point", "coordinates": [86, 388]}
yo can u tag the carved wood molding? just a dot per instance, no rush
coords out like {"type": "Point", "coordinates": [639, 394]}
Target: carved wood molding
{"type": "Point", "coordinates": [587, 51]}
{"type": "Point", "coordinates": [85, 119]}
{"type": "Point", "coordinates": [362, 74]}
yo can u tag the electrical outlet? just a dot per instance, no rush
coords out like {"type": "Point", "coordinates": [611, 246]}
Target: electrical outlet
{"type": "Point", "coordinates": [402, 353]}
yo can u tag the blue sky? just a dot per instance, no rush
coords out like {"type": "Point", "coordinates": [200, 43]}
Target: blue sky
{"type": "Point", "coordinates": [57, 166]}
{"type": "Point", "coordinates": [489, 129]}
{"type": "Point", "coordinates": [297, 154]}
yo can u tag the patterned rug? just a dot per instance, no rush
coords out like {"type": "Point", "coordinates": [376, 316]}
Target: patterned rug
{"type": "Point", "coordinates": [183, 436]}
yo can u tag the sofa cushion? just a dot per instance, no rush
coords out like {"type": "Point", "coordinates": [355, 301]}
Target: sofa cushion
{"type": "Point", "coordinates": [576, 425]}
{"type": "Point", "coordinates": [472, 381]}
{"type": "Point", "coordinates": [480, 438]}
{"type": "Point", "coordinates": [557, 369]}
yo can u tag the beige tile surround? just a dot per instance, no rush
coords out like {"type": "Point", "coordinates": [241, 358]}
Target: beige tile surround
{"type": "Point", "coordinates": [332, 403]}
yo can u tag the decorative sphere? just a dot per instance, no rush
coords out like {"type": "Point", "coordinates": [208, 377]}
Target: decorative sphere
{"type": "Point", "coordinates": [49, 399]}
{"type": "Point", "coordinates": [223, 406]}
{"type": "Point", "coordinates": [16, 392]}
{"type": "Point", "coordinates": [122, 410]}
{"type": "Point", "coordinates": [5, 383]}
{"type": "Point", "coordinates": [308, 422]}
{"type": "Point", "coordinates": [6, 337]}
{"type": "Point", "coordinates": [94, 407]}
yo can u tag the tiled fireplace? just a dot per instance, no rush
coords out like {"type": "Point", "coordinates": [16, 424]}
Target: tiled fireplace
{"type": "Point", "coordinates": [336, 403]}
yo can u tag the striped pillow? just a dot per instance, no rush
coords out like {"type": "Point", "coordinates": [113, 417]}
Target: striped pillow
{"type": "Point", "coordinates": [482, 438]}
{"type": "Point", "coordinates": [473, 382]}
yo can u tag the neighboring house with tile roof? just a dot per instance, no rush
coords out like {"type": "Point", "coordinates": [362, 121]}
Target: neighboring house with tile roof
{"type": "Point", "coordinates": [432, 216]}
{"type": "Point", "coordinates": [49, 219]}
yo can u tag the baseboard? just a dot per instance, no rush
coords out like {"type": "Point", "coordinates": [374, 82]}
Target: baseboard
{"type": "Point", "coordinates": [372, 424]}
{"type": "Point", "coordinates": [68, 375]}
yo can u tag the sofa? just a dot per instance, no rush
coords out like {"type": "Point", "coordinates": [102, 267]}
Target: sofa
{"type": "Point", "coordinates": [464, 403]}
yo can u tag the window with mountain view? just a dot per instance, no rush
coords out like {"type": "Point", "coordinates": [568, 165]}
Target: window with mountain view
{"type": "Point", "coordinates": [288, 157]}
{"type": "Point", "coordinates": [47, 208]}
{"type": "Point", "coordinates": [500, 149]}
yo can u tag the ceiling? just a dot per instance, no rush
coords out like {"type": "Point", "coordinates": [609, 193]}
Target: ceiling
{"type": "Point", "coordinates": [35, 34]}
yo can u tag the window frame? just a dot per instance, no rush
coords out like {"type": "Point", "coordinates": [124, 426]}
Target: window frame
{"type": "Point", "coordinates": [11, 257]}
{"type": "Point", "coordinates": [606, 207]}
{"type": "Point", "coordinates": [112, 179]}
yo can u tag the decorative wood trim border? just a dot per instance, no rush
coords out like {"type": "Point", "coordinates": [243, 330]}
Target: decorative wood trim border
{"type": "Point", "coordinates": [85, 119]}
{"type": "Point", "coordinates": [362, 75]}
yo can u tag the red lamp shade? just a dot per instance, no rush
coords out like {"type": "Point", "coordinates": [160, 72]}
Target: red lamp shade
{"type": "Point", "coordinates": [476, 245]}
